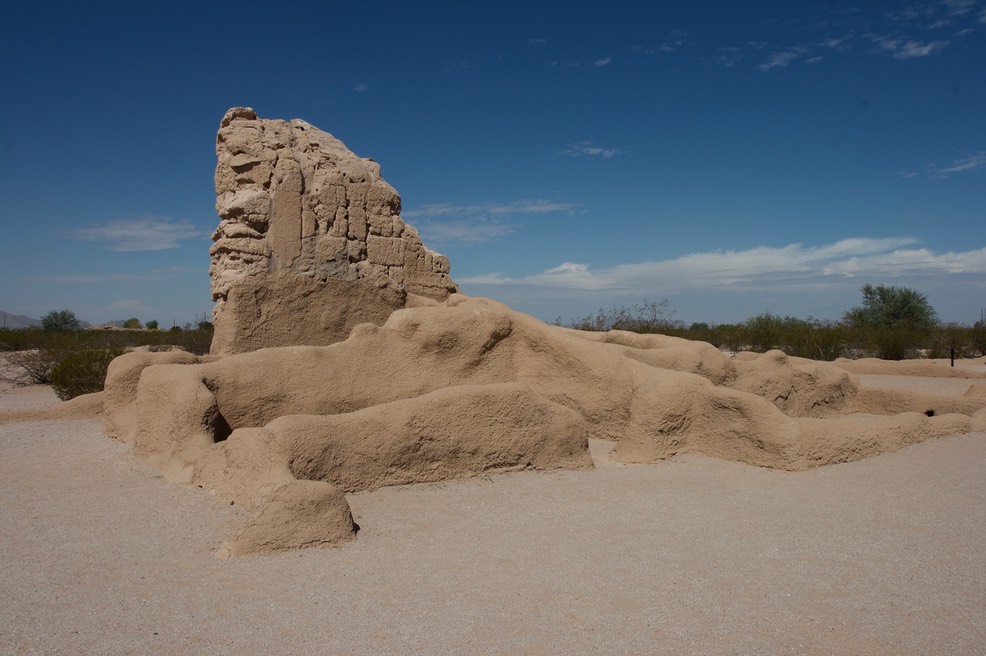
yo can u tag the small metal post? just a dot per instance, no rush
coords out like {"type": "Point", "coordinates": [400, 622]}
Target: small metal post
{"type": "Point", "coordinates": [953, 356]}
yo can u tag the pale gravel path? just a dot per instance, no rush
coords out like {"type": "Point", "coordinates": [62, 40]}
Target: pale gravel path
{"type": "Point", "coordinates": [98, 555]}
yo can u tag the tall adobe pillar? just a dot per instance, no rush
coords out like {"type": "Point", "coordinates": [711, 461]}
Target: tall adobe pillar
{"type": "Point", "coordinates": [310, 241]}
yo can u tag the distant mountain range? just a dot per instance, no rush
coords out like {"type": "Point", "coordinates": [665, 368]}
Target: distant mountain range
{"type": "Point", "coordinates": [8, 320]}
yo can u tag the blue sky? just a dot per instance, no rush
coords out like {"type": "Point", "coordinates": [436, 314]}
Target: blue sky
{"type": "Point", "coordinates": [733, 158]}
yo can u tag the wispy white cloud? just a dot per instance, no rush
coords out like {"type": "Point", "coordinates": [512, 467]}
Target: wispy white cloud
{"type": "Point", "coordinates": [900, 48]}
{"type": "Point", "coordinates": [145, 233]}
{"type": "Point", "coordinates": [759, 267]}
{"type": "Point", "coordinates": [842, 43]}
{"type": "Point", "coordinates": [675, 41]}
{"type": "Point", "coordinates": [973, 162]}
{"type": "Point", "coordinates": [531, 206]}
{"type": "Point", "coordinates": [586, 149]}
{"type": "Point", "coordinates": [537, 41]}
{"type": "Point", "coordinates": [958, 7]}
{"type": "Point", "coordinates": [447, 223]}
{"type": "Point", "coordinates": [782, 59]}
{"type": "Point", "coordinates": [605, 61]}
{"type": "Point", "coordinates": [913, 49]}
{"type": "Point", "coordinates": [911, 32]}
{"type": "Point", "coordinates": [970, 163]}
{"type": "Point", "coordinates": [469, 230]}
{"type": "Point", "coordinates": [361, 87]}
{"type": "Point", "coordinates": [730, 56]}
{"type": "Point", "coordinates": [563, 64]}
{"type": "Point", "coordinates": [937, 14]}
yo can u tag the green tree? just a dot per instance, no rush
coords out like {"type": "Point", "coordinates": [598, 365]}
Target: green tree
{"type": "Point", "coordinates": [60, 320]}
{"type": "Point", "coordinates": [132, 323]}
{"type": "Point", "coordinates": [152, 324]}
{"type": "Point", "coordinates": [893, 321]}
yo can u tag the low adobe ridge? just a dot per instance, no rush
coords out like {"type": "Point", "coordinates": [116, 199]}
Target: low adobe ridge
{"type": "Point", "coordinates": [470, 387]}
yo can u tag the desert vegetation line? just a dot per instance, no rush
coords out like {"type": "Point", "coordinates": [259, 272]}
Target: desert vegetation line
{"type": "Point", "coordinates": [73, 360]}
{"type": "Point", "coordinates": [892, 323]}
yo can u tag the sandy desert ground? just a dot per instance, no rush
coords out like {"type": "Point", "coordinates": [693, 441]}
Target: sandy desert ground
{"type": "Point", "coordinates": [100, 555]}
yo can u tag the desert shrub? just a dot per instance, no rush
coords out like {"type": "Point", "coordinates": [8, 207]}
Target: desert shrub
{"type": "Point", "coordinates": [824, 341]}
{"type": "Point", "coordinates": [31, 367]}
{"type": "Point", "coordinates": [17, 339]}
{"type": "Point", "coordinates": [887, 343]}
{"type": "Point", "coordinates": [804, 338]}
{"type": "Point", "coordinates": [193, 339]}
{"type": "Point", "coordinates": [703, 332]}
{"type": "Point", "coordinates": [82, 372]}
{"type": "Point", "coordinates": [731, 337]}
{"type": "Point", "coordinates": [196, 340]}
{"type": "Point", "coordinates": [34, 338]}
{"type": "Point", "coordinates": [133, 323]}
{"type": "Point", "coordinates": [34, 354]}
{"type": "Point", "coordinates": [977, 338]}
{"type": "Point", "coordinates": [767, 331]}
{"type": "Point", "coordinates": [968, 341]}
{"type": "Point", "coordinates": [646, 317]}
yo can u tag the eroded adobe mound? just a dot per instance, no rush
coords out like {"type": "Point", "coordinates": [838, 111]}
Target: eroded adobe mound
{"type": "Point", "coordinates": [351, 363]}
{"type": "Point", "coordinates": [470, 387]}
